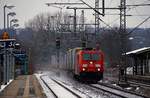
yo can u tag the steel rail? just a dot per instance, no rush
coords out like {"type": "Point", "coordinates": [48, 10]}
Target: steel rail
{"type": "Point", "coordinates": [48, 87]}
{"type": "Point", "coordinates": [106, 91]}
{"type": "Point", "coordinates": [121, 90]}
{"type": "Point", "coordinates": [67, 89]}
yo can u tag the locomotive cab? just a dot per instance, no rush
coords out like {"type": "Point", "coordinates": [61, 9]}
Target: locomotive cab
{"type": "Point", "coordinates": [86, 63]}
{"type": "Point", "coordinates": [91, 64]}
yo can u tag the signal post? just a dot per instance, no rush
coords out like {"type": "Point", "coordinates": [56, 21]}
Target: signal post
{"type": "Point", "coordinates": [58, 49]}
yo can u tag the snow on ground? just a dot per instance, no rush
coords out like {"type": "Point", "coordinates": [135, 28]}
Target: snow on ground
{"type": "Point", "coordinates": [59, 90]}
{"type": "Point", "coordinates": [67, 78]}
{"type": "Point", "coordinates": [122, 93]}
{"type": "Point", "coordinates": [47, 92]}
{"type": "Point", "coordinates": [4, 86]}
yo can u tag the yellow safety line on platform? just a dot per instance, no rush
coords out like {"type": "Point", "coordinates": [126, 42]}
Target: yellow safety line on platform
{"type": "Point", "coordinates": [26, 90]}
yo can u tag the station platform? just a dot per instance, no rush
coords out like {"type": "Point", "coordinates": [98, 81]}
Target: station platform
{"type": "Point", "coordinates": [26, 86]}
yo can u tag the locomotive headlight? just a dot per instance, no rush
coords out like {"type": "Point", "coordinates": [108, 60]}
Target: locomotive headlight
{"type": "Point", "coordinates": [98, 69]}
{"type": "Point", "coordinates": [97, 65]}
{"type": "Point", "coordinates": [84, 65]}
{"type": "Point", "coordinates": [83, 69]}
{"type": "Point", "coordinates": [91, 62]}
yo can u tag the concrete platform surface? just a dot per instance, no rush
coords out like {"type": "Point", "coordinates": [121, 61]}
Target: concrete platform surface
{"type": "Point", "coordinates": [26, 86]}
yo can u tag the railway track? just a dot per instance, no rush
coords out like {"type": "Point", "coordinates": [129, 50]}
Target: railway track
{"type": "Point", "coordinates": [134, 83]}
{"type": "Point", "coordinates": [71, 91]}
{"type": "Point", "coordinates": [91, 86]}
{"type": "Point", "coordinates": [58, 89]}
{"type": "Point", "coordinates": [136, 86]}
{"type": "Point", "coordinates": [116, 91]}
{"type": "Point", "coordinates": [54, 95]}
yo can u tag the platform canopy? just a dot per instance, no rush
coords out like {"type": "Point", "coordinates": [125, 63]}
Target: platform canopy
{"type": "Point", "coordinates": [7, 40]}
{"type": "Point", "coordinates": [138, 51]}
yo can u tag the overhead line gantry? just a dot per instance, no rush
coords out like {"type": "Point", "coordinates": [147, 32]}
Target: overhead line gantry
{"type": "Point", "coordinates": [64, 3]}
{"type": "Point", "coordinates": [139, 5]}
{"type": "Point", "coordinates": [87, 8]}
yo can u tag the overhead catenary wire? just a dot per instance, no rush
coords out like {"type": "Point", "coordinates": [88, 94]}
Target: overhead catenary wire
{"type": "Point", "coordinates": [99, 14]}
{"type": "Point", "coordinates": [135, 6]}
{"type": "Point", "coordinates": [138, 25]}
{"type": "Point", "coordinates": [129, 9]}
{"type": "Point", "coordinates": [130, 15]}
{"type": "Point", "coordinates": [136, 9]}
{"type": "Point", "coordinates": [139, 5]}
{"type": "Point", "coordinates": [92, 8]}
{"type": "Point", "coordinates": [109, 25]}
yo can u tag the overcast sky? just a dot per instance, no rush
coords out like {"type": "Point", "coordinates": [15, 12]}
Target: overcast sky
{"type": "Point", "coordinates": [27, 9]}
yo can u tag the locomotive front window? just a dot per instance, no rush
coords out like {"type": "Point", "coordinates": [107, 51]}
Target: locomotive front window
{"type": "Point", "coordinates": [95, 57]}
{"type": "Point", "coordinates": [91, 57]}
{"type": "Point", "coordinates": [86, 57]}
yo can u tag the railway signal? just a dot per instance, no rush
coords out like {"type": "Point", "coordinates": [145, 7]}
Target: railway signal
{"type": "Point", "coordinates": [84, 43]}
{"type": "Point", "coordinates": [58, 42]}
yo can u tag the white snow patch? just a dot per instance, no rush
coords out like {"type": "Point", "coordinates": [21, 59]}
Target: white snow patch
{"type": "Point", "coordinates": [128, 88]}
{"type": "Point", "coordinates": [46, 90]}
{"type": "Point", "coordinates": [59, 90]}
{"type": "Point", "coordinates": [128, 95]}
{"type": "Point", "coordinates": [114, 84]}
{"type": "Point", "coordinates": [4, 86]}
{"type": "Point", "coordinates": [137, 88]}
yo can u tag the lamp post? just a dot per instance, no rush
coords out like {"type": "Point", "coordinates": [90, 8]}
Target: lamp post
{"type": "Point", "coordinates": [9, 7]}
{"type": "Point", "coordinates": [5, 69]}
{"type": "Point", "coordinates": [10, 14]}
{"type": "Point", "coordinates": [8, 68]}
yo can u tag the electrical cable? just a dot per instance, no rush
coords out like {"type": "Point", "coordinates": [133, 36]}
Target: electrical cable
{"type": "Point", "coordinates": [135, 5]}
{"type": "Point", "coordinates": [92, 8]}
{"type": "Point", "coordinates": [127, 11]}
{"type": "Point", "coordinates": [138, 25]}
{"type": "Point", "coordinates": [136, 8]}
{"type": "Point", "coordinates": [110, 26]}
{"type": "Point", "coordinates": [107, 25]}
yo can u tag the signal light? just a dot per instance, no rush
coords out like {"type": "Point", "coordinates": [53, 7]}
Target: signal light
{"type": "Point", "coordinates": [91, 62]}
{"type": "Point", "coordinates": [83, 69]}
{"type": "Point", "coordinates": [57, 42]}
{"type": "Point", "coordinates": [98, 69]}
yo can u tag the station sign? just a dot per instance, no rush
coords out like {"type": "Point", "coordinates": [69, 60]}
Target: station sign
{"type": "Point", "coordinates": [7, 43]}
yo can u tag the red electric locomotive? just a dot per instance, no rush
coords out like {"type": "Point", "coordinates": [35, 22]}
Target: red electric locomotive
{"type": "Point", "coordinates": [86, 63]}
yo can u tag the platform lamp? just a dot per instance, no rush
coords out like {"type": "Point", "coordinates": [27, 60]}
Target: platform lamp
{"type": "Point", "coordinates": [9, 7]}
{"type": "Point", "coordinates": [5, 56]}
{"type": "Point", "coordinates": [15, 25]}
{"type": "Point", "coordinates": [13, 21]}
{"type": "Point", "coordinates": [12, 14]}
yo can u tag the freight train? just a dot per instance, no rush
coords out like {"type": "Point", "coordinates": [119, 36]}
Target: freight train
{"type": "Point", "coordinates": [86, 63]}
